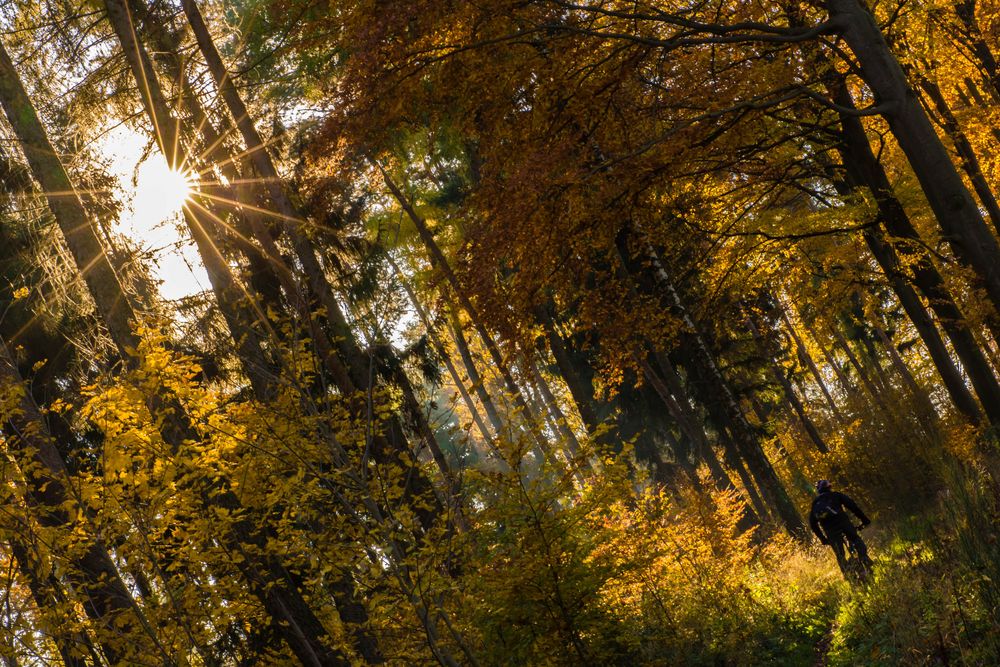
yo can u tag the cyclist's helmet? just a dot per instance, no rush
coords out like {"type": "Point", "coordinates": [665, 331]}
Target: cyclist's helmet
{"type": "Point", "coordinates": [822, 486]}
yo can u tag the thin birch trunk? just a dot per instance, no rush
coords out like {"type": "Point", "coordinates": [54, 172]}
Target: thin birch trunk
{"type": "Point", "coordinates": [744, 436]}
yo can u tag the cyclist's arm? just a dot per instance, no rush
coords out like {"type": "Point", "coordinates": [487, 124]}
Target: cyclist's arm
{"type": "Point", "coordinates": [851, 505]}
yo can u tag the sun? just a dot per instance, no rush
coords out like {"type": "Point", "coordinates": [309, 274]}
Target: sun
{"type": "Point", "coordinates": [160, 193]}
{"type": "Point", "coordinates": [153, 197]}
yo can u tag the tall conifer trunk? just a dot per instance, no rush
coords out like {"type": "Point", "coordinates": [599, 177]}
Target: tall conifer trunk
{"type": "Point", "coordinates": [793, 400]}
{"type": "Point", "coordinates": [440, 262]}
{"type": "Point", "coordinates": [864, 170]}
{"type": "Point", "coordinates": [74, 647]}
{"type": "Point", "coordinates": [95, 578]}
{"type": "Point", "coordinates": [966, 153]}
{"type": "Point", "coordinates": [803, 353]}
{"type": "Point", "coordinates": [282, 601]}
{"type": "Point", "coordinates": [985, 58]}
{"type": "Point", "coordinates": [233, 301]}
{"type": "Point", "coordinates": [745, 437]}
{"type": "Point", "coordinates": [476, 379]}
{"type": "Point", "coordinates": [953, 205]}
{"type": "Point", "coordinates": [352, 374]}
{"type": "Point", "coordinates": [446, 359]}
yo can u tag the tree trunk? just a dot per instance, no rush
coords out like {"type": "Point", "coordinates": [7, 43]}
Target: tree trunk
{"type": "Point", "coordinates": [717, 395]}
{"type": "Point", "coordinates": [746, 439]}
{"type": "Point", "coordinates": [64, 202]}
{"type": "Point", "coordinates": [580, 388]}
{"type": "Point", "coordinates": [848, 386]}
{"type": "Point", "coordinates": [284, 602]}
{"type": "Point", "coordinates": [862, 374]}
{"type": "Point", "coordinates": [985, 58]}
{"type": "Point", "coordinates": [47, 593]}
{"type": "Point", "coordinates": [440, 262]}
{"type": "Point", "coordinates": [550, 403]}
{"type": "Point", "coordinates": [233, 302]}
{"type": "Point", "coordinates": [952, 377]}
{"type": "Point", "coordinates": [789, 392]}
{"type": "Point", "coordinates": [919, 395]}
{"type": "Point", "coordinates": [953, 205]}
{"type": "Point", "coordinates": [863, 169]}
{"type": "Point", "coordinates": [94, 576]}
{"type": "Point", "coordinates": [966, 153]}
{"type": "Point", "coordinates": [671, 404]}
{"type": "Point", "coordinates": [691, 423]}
{"type": "Point", "coordinates": [432, 334]}
{"type": "Point", "coordinates": [806, 358]}
{"type": "Point", "coordinates": [475, 379]}
{"type": "Point", "coordinates": [318, 284]}
{"type": "Point", "coordinates": [426, 434]}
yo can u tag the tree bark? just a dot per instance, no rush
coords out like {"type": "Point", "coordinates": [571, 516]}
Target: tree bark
{"type": "Point", "coordinates": [966, 12]}
{"type": "Point", "coordinates": [951, 376]}
{"type": "Point", "coordinates": [235, 304]}
{"type": "Point", "coordinates": [717, 394]}
{"type": "Point", "coordinates": [746, 439]}
{"type": "Point", "coordinates": [804, 357]}
{"type": "Point", "coordinates": [47, 593]}
{"type": "Point", "coordinates": [953, 205]}
{"type": "Point", "coordinates": [923, 400]}
{"type": "Point", "coordinates": [94, 576]}
{"type": "Point", "coordinates": [863, 170]}
{"type": "Point", "coordinates": [786, 387]}
{"type": "Point", "coordinates": [456, 378]}
{"type": "Point", "coordinates": [552, 406]}
{"type": "Point", "coordinates": [317, 282]}
{"type": "Point", "coordinates": [580, 388]}
{"type": "Point", "coordinates": [866, 381]}
{"type": "Point", "coordinates": [965, 150]}
{"type": "Point", "coordinates": [848, 386]}
{"type": "Point", "coordinates": [284, 602]}
{"type": "Point", "coordinates": [440, 262]}
{"type": "Point", "coordinates": [475, 379]}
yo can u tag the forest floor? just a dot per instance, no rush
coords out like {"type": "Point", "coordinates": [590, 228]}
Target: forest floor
{"type": "Point", "coordinates": [918, 608]}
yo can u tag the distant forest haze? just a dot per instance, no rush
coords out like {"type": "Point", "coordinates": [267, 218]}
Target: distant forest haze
{"type": "Point", "coordinates": [340, 332]}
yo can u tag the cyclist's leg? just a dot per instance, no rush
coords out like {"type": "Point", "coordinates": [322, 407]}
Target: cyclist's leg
{"type": "Point", "coordinates": [837, 544]}
{"type": "Point", "coordinates": [859, 546]}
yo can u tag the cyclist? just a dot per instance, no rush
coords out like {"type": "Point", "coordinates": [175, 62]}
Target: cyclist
{"type": "Point", "coordinates": [829, 520]}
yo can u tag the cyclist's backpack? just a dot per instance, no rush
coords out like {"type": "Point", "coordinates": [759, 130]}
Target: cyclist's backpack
{"type": "Point", "coordinates": [823, 508]}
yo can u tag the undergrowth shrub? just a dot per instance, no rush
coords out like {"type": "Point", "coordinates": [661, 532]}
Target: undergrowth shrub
{"type": "Point", "coordinates": [616, 576]}
{"type": "Point", "coordinates": [934, 597]}
{"type": "Point", "coordinates": [914, 611]}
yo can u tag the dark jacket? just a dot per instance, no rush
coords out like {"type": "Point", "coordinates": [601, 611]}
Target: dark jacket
{"type": "Point", "coordinates": [828, 516]}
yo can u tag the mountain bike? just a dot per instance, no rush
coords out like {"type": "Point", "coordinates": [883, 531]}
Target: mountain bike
{"type": "Point", "coordinates": [855, 568]}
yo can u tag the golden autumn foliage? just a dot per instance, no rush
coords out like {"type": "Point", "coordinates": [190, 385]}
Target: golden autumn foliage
{"type": "Point", "coordinates": [524, 333]}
